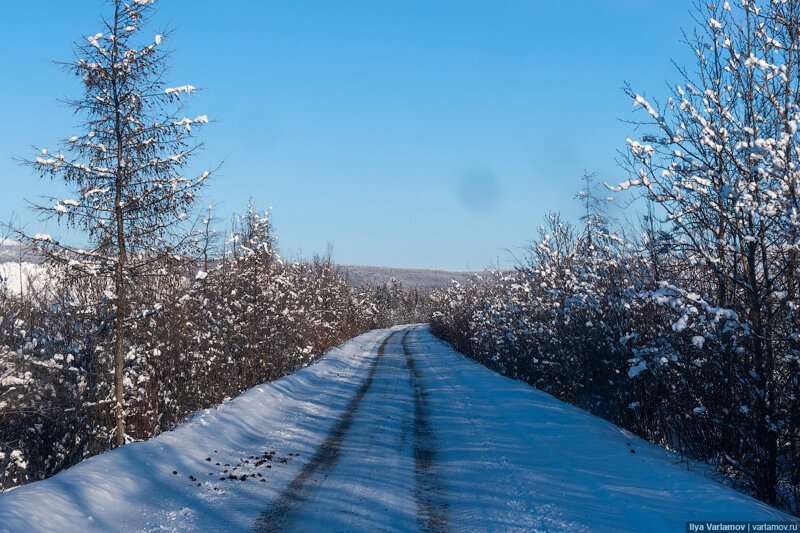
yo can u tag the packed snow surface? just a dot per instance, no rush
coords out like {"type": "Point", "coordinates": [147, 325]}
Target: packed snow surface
{"type": "Point", "coordinates": [397, 434]}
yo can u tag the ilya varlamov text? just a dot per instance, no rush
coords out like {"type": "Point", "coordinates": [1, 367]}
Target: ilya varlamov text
{"type": "Point", "coordinates": [742, 526]}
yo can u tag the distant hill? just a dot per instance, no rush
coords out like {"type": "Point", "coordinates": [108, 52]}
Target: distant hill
{"type": "Point", "coordinates": [15, 252]}
{"type": "Point", "coordinates": [409, 277]}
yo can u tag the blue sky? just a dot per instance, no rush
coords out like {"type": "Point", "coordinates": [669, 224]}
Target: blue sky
{"type": "Point", "coordinates": [415, 133]}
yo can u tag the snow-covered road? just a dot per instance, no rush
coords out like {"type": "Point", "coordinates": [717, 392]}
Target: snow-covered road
{"type": "Point", "coordinates": [391, 431]}
{"type": "Point", "coordinates": [377, 468]}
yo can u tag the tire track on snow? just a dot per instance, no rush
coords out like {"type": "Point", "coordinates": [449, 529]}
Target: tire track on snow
{"type": "Point", "coordinates": [432, 509]}
{"type": "Point", "coordinates": [324, 460]}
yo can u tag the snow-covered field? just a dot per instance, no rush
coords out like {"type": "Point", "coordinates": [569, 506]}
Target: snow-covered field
{"type": "Point", "coordinates": [408, 436]}
{"type": "Point", "coordinates": [22, 277]}
{"type": "Point", "coordinates": [20, 267]}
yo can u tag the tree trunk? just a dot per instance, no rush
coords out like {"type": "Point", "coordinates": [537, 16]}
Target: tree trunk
{"type": "Point", "coordinates": [120, 289]}
{"type": "Point", "coordinates": [119, 350]}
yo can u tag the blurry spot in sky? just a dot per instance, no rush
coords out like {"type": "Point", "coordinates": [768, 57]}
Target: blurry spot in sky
{"type": "Point", "coordinates": [241, 125]}
{"type": "Point", "coordinates": [478, 189]}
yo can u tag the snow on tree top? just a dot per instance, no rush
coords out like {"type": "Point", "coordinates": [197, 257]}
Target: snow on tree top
{"type": "Point", "coordinates": [180, 89]}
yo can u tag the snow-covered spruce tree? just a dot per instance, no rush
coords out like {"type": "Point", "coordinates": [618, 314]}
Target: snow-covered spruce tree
{"type": "Point", "coordinates": [720, 161]}
{"type": "Point", "coordinates": [127, 168]}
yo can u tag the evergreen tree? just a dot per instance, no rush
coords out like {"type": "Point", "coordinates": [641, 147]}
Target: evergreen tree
{"type": "Point", "coordinates": [126, 168]}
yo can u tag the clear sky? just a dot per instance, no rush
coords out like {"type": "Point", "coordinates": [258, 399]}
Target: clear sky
{"type": "Point", "coordinates": [414, 133]}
